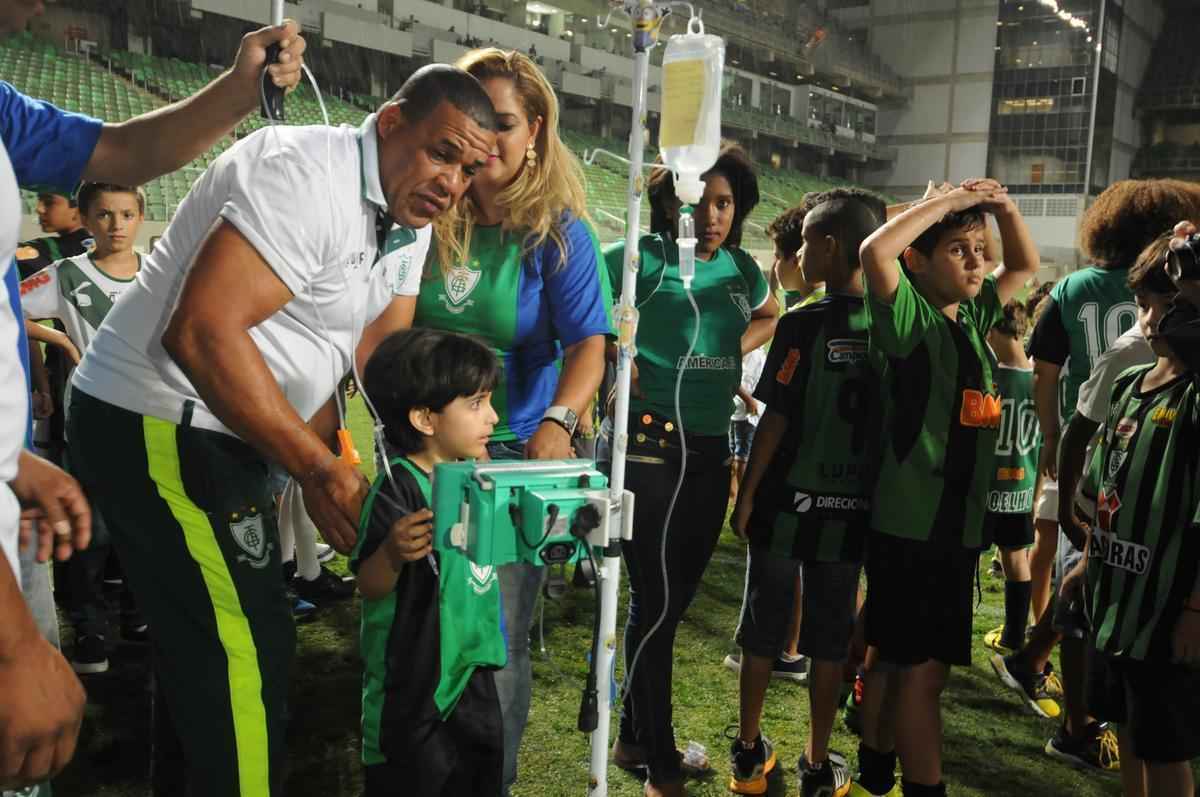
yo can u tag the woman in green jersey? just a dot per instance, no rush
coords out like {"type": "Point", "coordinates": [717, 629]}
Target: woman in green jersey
{"type": "Point", "coordinates": [737, 314]}
{"type": "Point", "coordinates": [518, 267]}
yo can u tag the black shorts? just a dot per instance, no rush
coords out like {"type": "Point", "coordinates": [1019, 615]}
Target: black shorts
{"type": "Point", "coordinates": [464, 754]}
{"type": "Point", "coordinates": [1008, 530]}
{"type": "Point", "coordinates": [920, 599]}
{"type": "Point", "coordinates": [1159, 701]}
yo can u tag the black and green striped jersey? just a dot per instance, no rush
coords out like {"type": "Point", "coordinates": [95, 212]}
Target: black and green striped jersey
{"type": "Point", "coordinates": [813, 502]}
{"type": "Point", "coordinates": [415, 666]}
{"type": "Point", "coordinates": [1145, 544]}
{"type": "Point", "coordinates": [941, 415]}
{"type": "Point", "coordinates": [1018, 445]}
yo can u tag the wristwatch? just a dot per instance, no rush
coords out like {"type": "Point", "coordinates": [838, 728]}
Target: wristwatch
{"type": "Point", "coordinates": [563, 416]}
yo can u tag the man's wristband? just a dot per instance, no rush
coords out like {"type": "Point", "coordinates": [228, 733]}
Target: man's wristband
{"type": "Point", "coordinates": [564, 416]}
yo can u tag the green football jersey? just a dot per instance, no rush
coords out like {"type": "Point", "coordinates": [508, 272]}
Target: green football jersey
{"type": "Point", "coordinates": [727, 289]}
{"type": "Point", "coordinates": [941, 414]}
{"type": "Point", "coordinates": [528, 305]}
{"type": "Point", "coordinates": [1019, 444]}
{"type": "Point", "coordinates": [1097, 307]}
{"type": "Point", "coordinates": [1145, 545]}
{"type": "Point", "coordinates": [421, 643]}
{"type": "Point", "coordinates": [814, 500]}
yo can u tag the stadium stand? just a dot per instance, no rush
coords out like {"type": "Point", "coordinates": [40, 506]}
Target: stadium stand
{"type": "Point", "coordinates": [117, 85]}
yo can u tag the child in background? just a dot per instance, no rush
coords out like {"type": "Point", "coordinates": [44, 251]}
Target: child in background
{"type": "Point", "coordinates": [928, 323]}
{"type": "Point", "coordinates": [1142, 558]}
{"type": "Point", "coordinates": [806, 497]}
{"type": "Point", "coordinates": [431, 635]}
{"type": "Point", "coordinates": [79, 291]}
{"type": "Point", "coordinates": [1009, 520]}
{"type": "Point", "coordinates": [746, 414]}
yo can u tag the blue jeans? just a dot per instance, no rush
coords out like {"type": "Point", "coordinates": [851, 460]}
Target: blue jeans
{"type": "Point", "coordinates": [519, 585]}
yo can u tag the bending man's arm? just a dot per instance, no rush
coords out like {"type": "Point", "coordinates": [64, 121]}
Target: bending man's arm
{"type": "Point", "coordinates": [229, 290]}
{"type": "Point", "coordinates": [147, 146]}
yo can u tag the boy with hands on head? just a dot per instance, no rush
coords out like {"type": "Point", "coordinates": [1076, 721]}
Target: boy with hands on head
{"type": "Point", "coordinates": [927, 327]}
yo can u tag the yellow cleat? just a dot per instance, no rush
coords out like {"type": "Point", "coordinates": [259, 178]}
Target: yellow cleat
{"type": "Point", "coordinates": [858, 791]}
{"type": "Point", "coordinates": [1032, 689]}
{"type": "Point", "coordinates": [991, 640]}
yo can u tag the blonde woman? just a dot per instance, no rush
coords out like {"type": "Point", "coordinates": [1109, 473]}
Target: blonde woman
{"type": "Point", "coordinates": [518, 265]}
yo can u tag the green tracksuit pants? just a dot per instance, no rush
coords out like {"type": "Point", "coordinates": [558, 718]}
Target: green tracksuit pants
{"type": "Point", "coordinates": [194, 523]}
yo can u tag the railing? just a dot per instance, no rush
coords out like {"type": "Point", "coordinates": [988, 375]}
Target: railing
{"type": "Point", "coordinates": [784, 127]}
{"type": "Point", "coordinates": [1182, 97]}
{"type": "Point", "coordinates": [1150, 163]}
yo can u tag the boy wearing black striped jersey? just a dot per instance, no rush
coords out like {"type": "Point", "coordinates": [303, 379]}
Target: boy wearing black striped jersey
{"type": "Point", "coordinates": [1142, 559]}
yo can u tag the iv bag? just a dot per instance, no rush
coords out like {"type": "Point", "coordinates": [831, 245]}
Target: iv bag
{"type": "Point", "coordinates": [689, 135]}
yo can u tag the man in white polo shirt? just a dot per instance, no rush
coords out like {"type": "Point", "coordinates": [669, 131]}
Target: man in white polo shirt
{"type": "Point", "coordinates": [242, 323]}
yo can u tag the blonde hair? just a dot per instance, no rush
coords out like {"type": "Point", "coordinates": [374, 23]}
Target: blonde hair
{"type": "Point", "coordinates": [541, 193]}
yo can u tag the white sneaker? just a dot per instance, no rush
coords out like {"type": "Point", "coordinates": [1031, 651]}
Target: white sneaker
{"type": "Point", "coordinates": [325, 552]}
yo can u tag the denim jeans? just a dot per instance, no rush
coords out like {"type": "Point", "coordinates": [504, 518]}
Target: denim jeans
{"type": "Point", "coordinates": [35, 586]}
{"type": "Point", "coordinates": [519, 585]}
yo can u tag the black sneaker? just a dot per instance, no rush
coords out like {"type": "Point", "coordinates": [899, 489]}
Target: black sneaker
{"type": "Point", "coordinates": [90, 656]}
{"type": "Point", "coordinates": [830, 778]}
{"type": "Point", "coordinates": [795, 670]}
{"type": "Point", "coordinates": [325, 587]}
{"type": "Point", "coordinates": [750, 765]}
{"type": "Point", "coordinates": [1096, 749]}
{"type": "Point", "coordinates": [136, 631]}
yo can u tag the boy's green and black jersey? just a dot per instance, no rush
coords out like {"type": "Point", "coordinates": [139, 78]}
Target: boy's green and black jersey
{"type": "Point", "coordinates": [415, 667]}
{"type": "Point", "coordinates": [941, 416]}
{"type": "Point", "coordinates": [813, 502]}
{"type": "Point", "coordinates": [1019, 444]}
{"type": "Point", "coordinates": [1145, 544]}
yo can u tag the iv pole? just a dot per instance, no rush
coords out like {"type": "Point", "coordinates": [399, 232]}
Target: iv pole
{"type": "Point", "coordinates": [646, 16]}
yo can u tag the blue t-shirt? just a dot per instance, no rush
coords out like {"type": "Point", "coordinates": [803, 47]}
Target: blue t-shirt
{"type": "Point", "coordinates": [528, 306]}
{"type": "Point", "coordinates": [49, 149]}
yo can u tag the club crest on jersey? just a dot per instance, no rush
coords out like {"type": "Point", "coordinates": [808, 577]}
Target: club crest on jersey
{"type": "Point", "coordinates": [1115, 460]}
{"type": "Point", "coordinates": [482, 577]}
{"type": "Point", "coordinates": [251, 537]}
{"type": "Point", "coordinates": [980, 410]}
{"type": "Point", "coordinates": [742, 302]}
{"type": "Point", "coordinates": [846, 350]}
{"type": "Point", "coordinates": [460, 282]}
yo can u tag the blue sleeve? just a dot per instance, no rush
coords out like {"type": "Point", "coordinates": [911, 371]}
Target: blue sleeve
{"type": "Point", "coordinates": [48, 147]}
{"type": "Point", "coordinates": [576, 289]}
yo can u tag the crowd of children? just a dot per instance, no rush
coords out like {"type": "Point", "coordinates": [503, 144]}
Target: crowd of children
{"type": "Point", "coordinates": [896, 422]}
